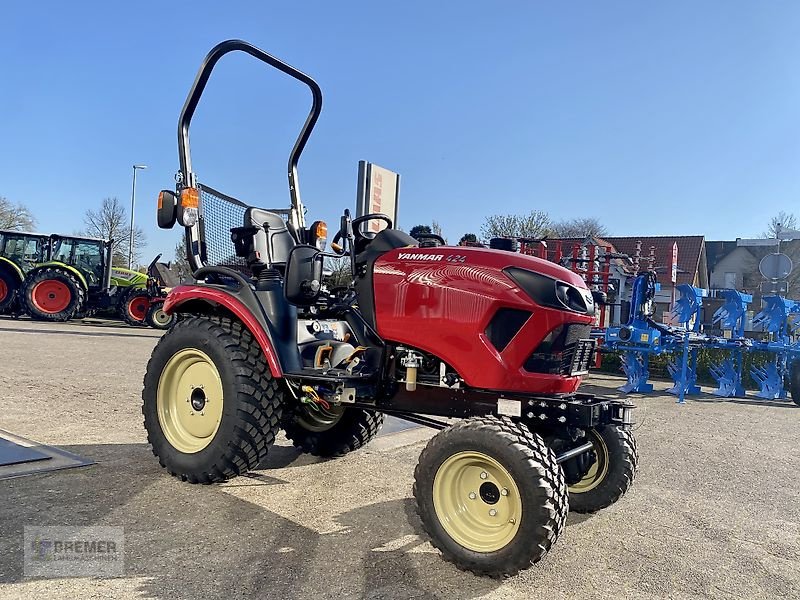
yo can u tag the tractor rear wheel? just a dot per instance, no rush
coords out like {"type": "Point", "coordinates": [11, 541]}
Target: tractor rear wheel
{"type": "Point", "coordinates": [157, 318]}
{"type": "Point", "coordinates": [53, 295]}
{"type": "Point", "coordinates": [490, 495]}
{"type": "Point", "coordinates": [211, 407]}
{"type": "Point", "coordinates": [135, 304]}
{"type": "Point", "coordinates": [333, 431]}
{"type": "Point", "coordinates": [794, 381]}
{"type": "Point", "coordinates": [607, 473]}
{"type": "Point", "coordinates": [8, 290]}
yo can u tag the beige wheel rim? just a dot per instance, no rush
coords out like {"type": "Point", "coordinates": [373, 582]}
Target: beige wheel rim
{"type": "Point", "coordinates": [189, 400]}
{"type": "Point", "coordinates": [598, 471]}
{"type": "Point", "coordinates": [477, 501]}
{"type": "Point", "coordinates": [160, 317]}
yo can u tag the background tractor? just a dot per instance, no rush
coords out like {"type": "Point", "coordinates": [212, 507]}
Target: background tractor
{"type": "Point", "coordinates": [78, 279]}
{"type": "Point", "coordinates": [19, 253]}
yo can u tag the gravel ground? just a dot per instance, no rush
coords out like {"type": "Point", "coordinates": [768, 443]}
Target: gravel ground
{"type": "Point", "coordinates": [713, 512]}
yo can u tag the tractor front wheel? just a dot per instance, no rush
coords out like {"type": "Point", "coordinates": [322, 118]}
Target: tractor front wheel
{"type": "Point", "coordinates": [598, 478]}
{"type": "Point", "coordinates": [158, 319]}
{"type": "Point", "coordinates": [490, 495]}
{"type": "Point", "coordinates": [53, 295]}
{"type": "Point", "coordinates": [135, 305]}
{"type": "Point", "coordinates": [211, 407]}
{"type": "Point", "coordinates": [332, 431]}
{"type": "Point", "coordinates": [8, 290]}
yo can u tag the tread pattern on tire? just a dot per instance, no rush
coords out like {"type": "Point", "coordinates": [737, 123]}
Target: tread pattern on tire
{"type": "Point", "coordinates": [259, 401]}
{"type": "Point", "coordinates": [540, 459]}
{"type": "Point", "coordinates": [355, 429]}
{"type": "Point", "coordinates": [126, 316]}
{"type": "Point", "coordinates": [622, 471]}
{"type": "Point", "coordinates": [13, 285]}
{"type": "Point", "coordinates": [75, 306]}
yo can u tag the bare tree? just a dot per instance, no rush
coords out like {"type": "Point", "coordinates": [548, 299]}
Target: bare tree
{"type": "Point", "coordinates": [534, 224]}
{"type": "Point", "coordinates": [15, 216]}
{"type": "Point", "coordinates": [181, 263]}
{"type": "Point", "coordinates": [437, 230]}
{"type": "Point", "coordinates": [111, 222]}
{"type": "Point", "coordinates": [579, 227]}
{"type": "Point", "coordinates": [339, 274]}
{"type": "Point", "coordinates": [779, 222]}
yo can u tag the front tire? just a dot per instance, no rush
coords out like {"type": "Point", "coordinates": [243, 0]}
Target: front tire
{"type": "Point", "coordinates": [609, 475]}
{"type": "Point", "coordinates": [211, 407]}
{"type": "Point", "coordinates": [490, 495]}
{"type": "Point", "coordinates": [331, 432]}
{"type": "Point", "coordinates": [53, 295]}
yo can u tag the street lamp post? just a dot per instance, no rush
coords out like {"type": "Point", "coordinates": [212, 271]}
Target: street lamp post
{"type": "Point", "coordinates": [133, 207]}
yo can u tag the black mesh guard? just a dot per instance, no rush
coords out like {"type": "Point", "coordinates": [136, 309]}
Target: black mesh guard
{"type": "Point", "coordinates": [218, 215]}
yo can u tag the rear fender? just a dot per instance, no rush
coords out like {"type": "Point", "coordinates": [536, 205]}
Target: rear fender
{"type": "Point", "coordinates": [206, 299]}
{"type": "Point", "coordinates": [64, 267]}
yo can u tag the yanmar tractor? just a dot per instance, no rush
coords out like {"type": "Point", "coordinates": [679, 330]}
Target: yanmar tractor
{"type": "Point", "coordinates": [494, 342]}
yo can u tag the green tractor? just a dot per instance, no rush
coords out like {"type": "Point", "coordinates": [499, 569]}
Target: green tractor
{"type": "Point", "coordinates": [19, 253]}
{"type": "Point", "coordinates": [78, 279]}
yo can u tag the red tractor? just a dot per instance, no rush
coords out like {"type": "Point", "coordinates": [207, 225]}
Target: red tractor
{"type": "Point", "coordinates": [494, 340]}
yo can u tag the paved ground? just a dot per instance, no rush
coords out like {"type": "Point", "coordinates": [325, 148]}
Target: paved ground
{"type": "Point", "coordinates": [713, 513]}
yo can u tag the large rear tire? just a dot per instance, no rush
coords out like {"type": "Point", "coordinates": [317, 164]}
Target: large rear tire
{"type": "Point", "coordinates": [53, 295]}
{"type": "Point", "coordinates": [211, 407]}
{"type": "Point", "coordinates": [9, 284]}
{"type": "Point", "coordinates": [331, 432]}
{"type": "Point", "coordinates": [135, 304]}
{"type": "Point", "coordinates": [490, 495]}
{"type": "Point", "coordinates": [609, 473]}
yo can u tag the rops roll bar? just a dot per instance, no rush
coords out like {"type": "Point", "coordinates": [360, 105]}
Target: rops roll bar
{"type": "Point", "coordinates": [220, 50]}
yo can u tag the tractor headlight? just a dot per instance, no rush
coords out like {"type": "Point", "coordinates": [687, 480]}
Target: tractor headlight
{"type": "Point", "coordinates": [550, 292]}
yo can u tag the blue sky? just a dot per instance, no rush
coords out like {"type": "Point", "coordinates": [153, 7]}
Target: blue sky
{"type": "Point", "coordinates": [658, 118]}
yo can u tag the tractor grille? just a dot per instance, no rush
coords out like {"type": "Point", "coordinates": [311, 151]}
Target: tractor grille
{"type": "Point", "coordinates": [567, 350]}
{"type": "Point", "coordinates": [218, 215]}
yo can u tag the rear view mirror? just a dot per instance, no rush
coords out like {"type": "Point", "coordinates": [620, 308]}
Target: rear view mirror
{"type": "Point", "coordinates": [167, 209]}
{"type": "Point", "coordinates": [303, 275]}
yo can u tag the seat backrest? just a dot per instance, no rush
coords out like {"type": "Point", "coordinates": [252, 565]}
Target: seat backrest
{"type": "Point", "coordinates": [272, 241]}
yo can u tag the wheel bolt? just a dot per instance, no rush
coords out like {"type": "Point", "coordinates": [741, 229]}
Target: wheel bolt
{"type": "Point", "coordinates": [492, 513]}
{"type": "Point", "coordinates": [472, 495]}
{"type": "Point", "coordinates": [504, 492]}
{"type": "Point", "coordinates": [512, 521]}
{"type": "Point", "coordinates": [484, 475]}
{"type": "Point", "coordinates": [202, 414]}
{"type": "Point", "coordinates": [191, 412]}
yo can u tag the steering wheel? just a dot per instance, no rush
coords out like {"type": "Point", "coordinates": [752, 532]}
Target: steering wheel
{"type": "Point", "coordinates": [368, 235]}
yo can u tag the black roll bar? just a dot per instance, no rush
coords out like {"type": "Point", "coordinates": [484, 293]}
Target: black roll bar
{"type": "Point", "coordinates": [217, 52]}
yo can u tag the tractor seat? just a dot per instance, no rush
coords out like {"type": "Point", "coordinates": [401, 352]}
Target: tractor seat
{"type": "Point", "coordinates": [272, 241]}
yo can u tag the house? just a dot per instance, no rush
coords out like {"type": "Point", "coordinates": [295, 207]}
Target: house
{"type": "Point", "coordinates": [692, 264]}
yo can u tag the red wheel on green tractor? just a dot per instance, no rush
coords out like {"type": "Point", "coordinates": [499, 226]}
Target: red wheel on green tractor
{"type": "Point", "coordinates": [135, 306]}
{"type": "Point", "coordinates": [8, 288]}
{"type": "Point", "coordinates": [52, 295]}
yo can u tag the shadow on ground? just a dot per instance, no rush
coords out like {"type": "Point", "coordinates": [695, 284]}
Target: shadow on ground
{"type": "Point", "coordinates": [188, 541]}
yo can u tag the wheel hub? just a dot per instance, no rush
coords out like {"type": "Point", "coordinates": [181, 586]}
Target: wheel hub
{"type": "Point", "coordinates": [198, 398]}
{"type": "Point", "coordinates": [477, 501]}
{"type": "Point", "coordinates": [189, 400]}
